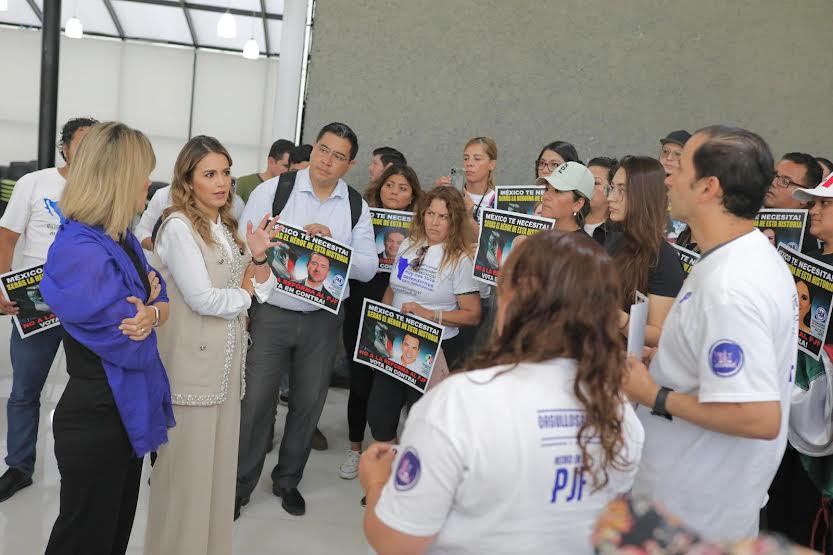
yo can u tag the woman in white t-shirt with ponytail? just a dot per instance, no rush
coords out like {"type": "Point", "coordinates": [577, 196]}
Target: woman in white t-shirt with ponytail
{"type": "Point", "coordinates": [521, 453]}
{"type": "Point", "coordinates": [431, 278]}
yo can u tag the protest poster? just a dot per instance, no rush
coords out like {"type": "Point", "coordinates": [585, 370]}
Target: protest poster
{"type": "Point", "coordinates": [23, 287]}
{"type": "Point", "coordinates": [500, 231]}
{"type": "Point", "coordinates": [814, 286]}
{"type": "Point", "coordinates": [402, 346]}
{"type": "Point", "coordinates": [521, 199]}
{"type": "Point", "coordinates": [637, 322]}
{"type": "Point", "coordinates": [390, 227]}
{"type": "Point", "coordinates": [783, 226]}
{"type": "Point", "coordinates": [687, 257]}
{"type": "Point", "coordinates": [313, 269]}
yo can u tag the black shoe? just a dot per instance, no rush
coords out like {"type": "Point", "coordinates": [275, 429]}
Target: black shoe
{"type": "Point", "coordinates": [291, 500]}
{"type": "Point", "coordinates": [319, 442]}
{"type": "Point", "coordinates": [239, 503]}
{"type": "Point", "coordinates": [364, 501]}
{"type": "Point", "coordinates": [11, 482]}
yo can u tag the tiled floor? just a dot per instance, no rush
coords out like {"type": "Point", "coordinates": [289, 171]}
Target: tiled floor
{"type": "Point", "coordinates": [332, 523]}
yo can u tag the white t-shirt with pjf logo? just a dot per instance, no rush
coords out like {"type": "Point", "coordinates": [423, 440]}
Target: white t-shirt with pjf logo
{"type": "Point", "coordinates": [731, 337]}
{"type": "Point", "coordinates": [489, 462]}
{"type": "Point", "coordinates": [427, 284]}
{"type": "Point", "coordinates": [33, 213]}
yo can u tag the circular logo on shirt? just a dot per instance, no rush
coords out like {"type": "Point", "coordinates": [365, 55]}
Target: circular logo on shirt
{"type": "Point", "coordinates": [821, 314]}
{"type": "Point", "coordinates": [793, 245]}
{"type": "Point", "coordinates": [338, 280]}
{"type": "Point", "coordinates": [725, 358]}
{"type": "Point", "coordinates": [408, 470]}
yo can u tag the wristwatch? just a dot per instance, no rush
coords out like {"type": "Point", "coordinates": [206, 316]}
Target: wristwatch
{"type": "Point", "coordinates": [659, 403]}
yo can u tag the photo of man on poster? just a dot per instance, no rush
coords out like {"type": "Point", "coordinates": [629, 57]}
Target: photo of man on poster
{"type": "Point", "coordinates": [410, 354]}
{"type": "Point", "coordinates": [393, 238]}
{"type": "Point", "coordinates": [318, 268]}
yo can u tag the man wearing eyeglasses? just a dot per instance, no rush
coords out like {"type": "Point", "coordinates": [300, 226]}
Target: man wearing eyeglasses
{"type": "Point", "coordinates": [795, 170]}
{"type": "Point", "coordinates": [669, 157]}
{"type": "Point", "coordinates": [672, 150]}
{"type": "Point", "coordinates": [292, 336]}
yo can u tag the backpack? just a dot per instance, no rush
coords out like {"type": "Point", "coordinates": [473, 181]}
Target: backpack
{"type": "Point", "coordinates": [286, 182]}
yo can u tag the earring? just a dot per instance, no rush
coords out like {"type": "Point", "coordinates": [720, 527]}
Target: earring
{"type": "Point", "coordinates": [574, 214]}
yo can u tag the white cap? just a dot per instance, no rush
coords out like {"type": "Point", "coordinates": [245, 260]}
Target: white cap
{"type": "Point", "coordinates": [823, 190]}
{"type": "Point", "coordinates": [571, 176]}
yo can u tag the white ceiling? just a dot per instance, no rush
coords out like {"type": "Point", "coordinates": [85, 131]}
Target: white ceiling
{"type": "Point", "coordinates": [164, 20]}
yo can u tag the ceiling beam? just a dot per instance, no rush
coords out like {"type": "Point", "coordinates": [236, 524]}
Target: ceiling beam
{"type": "Point", "coordinates": [35, 9]}
{"type": "Point", "coordinates": [265, 26]}
{"type": "Point", "coordinates": [190, 23]}
{"type": "Point", "coordinates": [205, 8]}
{"type": "Point", "coordinates": [114, 16]}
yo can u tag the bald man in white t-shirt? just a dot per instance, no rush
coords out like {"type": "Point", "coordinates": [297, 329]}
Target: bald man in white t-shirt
{"type": "Point", "coordinates": [716, 401]}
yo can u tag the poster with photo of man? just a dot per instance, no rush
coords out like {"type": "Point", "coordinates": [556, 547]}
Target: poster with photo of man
{"type": "Point", "coordinates": [688, 258]}
{"type": "Point", "coordinates": [521, 199]}
{"type": "Point", "coordinates": [814, 287]}
{"type": "Point", "coordinates": [500, 231]}
{"type": "Point", "coordinates": [313, 269]}
{"type": "Point", "coordinates": [781, 226]}
{"type": "Point", "coordinates": [403, 346]}
{"type": "Point", "coordinates": [390, 227]}
{"type": "Point", "coordinates": [23, 287]}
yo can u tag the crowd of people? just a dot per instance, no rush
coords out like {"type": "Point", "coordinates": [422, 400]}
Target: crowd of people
{"type": "Point", "coordinates": [180, 345]}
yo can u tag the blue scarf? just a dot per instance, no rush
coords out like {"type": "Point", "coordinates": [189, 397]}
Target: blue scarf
{"type": "Point", "coordinates": [87, 279]}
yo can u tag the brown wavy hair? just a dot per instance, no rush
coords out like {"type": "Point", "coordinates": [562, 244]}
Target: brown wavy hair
{"type": "Point", "coordinates": [460, 240]}
{"type": "Point", "coordinates": [565, 299]}
{"type": "Point", "coordinates": [373, 196]}
{"type": "Point", "coordinates": [644, 225]}
{"type": "Point", "coordinates": [182, 196]}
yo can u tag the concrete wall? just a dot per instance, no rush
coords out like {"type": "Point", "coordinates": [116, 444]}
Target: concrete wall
{"type": "Point", "coordinates": [147, 87]}
{"type": "Point", "coordinates": [610, 76]}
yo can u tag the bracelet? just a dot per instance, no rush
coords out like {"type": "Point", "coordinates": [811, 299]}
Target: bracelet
{"type": "Point", "coordinates": [436, 315]}
{"type": "Point", "coordinates": [659, 404]}
{"type": "Point", "coordinates": [259, 262]}
{"type": "Point", "coordinates": [158, 316]}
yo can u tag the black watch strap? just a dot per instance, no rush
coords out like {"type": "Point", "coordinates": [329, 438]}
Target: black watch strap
{"type": "Point", "coordinates": [659, 403]}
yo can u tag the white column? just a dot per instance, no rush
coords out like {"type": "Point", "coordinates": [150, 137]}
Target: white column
{"type": "Point", "coordinates": [290, 65]}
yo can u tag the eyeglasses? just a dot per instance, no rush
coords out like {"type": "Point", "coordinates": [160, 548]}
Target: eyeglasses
{"type": "Point", "coordinates": [552, 166]}
{"type": "Point", "coordinates": [612, 191]}
{"type": "Point", "coordinates": [337, 156]}
{"type": "Point", "coordinates": [416, 262]}
{"type": "Point", "coordinates": [783, 181]}
{"type": "Point", "coordinates": [671, 154]}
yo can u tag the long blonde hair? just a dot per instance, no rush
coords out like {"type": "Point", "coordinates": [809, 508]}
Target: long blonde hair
{"type": "Point", "coordinates": [182, 195]}
{"type": "Point", "coordinates": [490, 148]}
{"type": "Point", "coordinates": [460, 240]}
{"type": "Point", "coordinates": [106, 177]}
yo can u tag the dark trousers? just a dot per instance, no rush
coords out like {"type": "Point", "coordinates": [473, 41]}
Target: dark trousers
{"type": "Point", "coordinates": [31, 360]}
{"type": "Point", "coordinates": [388, 395]}
{"type": "Point", "coordinates": [100, 473]}
{"type": "Point", "coordinates": [304, 345]}
{"type": "Point", "coordinates": [472, 338]}
{"type": "Point", "coordinates": [793, 502]}
{"type": "Point", "coordinates": [361, 376]}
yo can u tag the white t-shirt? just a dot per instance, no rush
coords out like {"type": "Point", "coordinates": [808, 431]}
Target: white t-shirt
{"type": "Point", "coordinates": [731, 337]}
{"type": "Point", "coordinates": [33, 212]}
{"type": "Point", "coordinates": [433, 289]}
{"type": "Point", "coordinates": [160, 200]}
{"type": "Point", "coordinates": [489, 462]}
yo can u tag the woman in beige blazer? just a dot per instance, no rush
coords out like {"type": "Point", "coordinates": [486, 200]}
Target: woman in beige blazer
{"type": "Point", "coordinates": [212, 276]}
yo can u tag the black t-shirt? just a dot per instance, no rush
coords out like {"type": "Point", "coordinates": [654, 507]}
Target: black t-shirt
{"type": "Point", "coordinates": [665, 276]}
{"type": "Point", "coordinates": [810, 245]}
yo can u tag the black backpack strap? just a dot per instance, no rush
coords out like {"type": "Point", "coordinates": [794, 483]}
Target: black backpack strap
{"type": "Point", "coordinates": [286, 182]}
{"type": "Point", "coordinates": [355, 206]}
